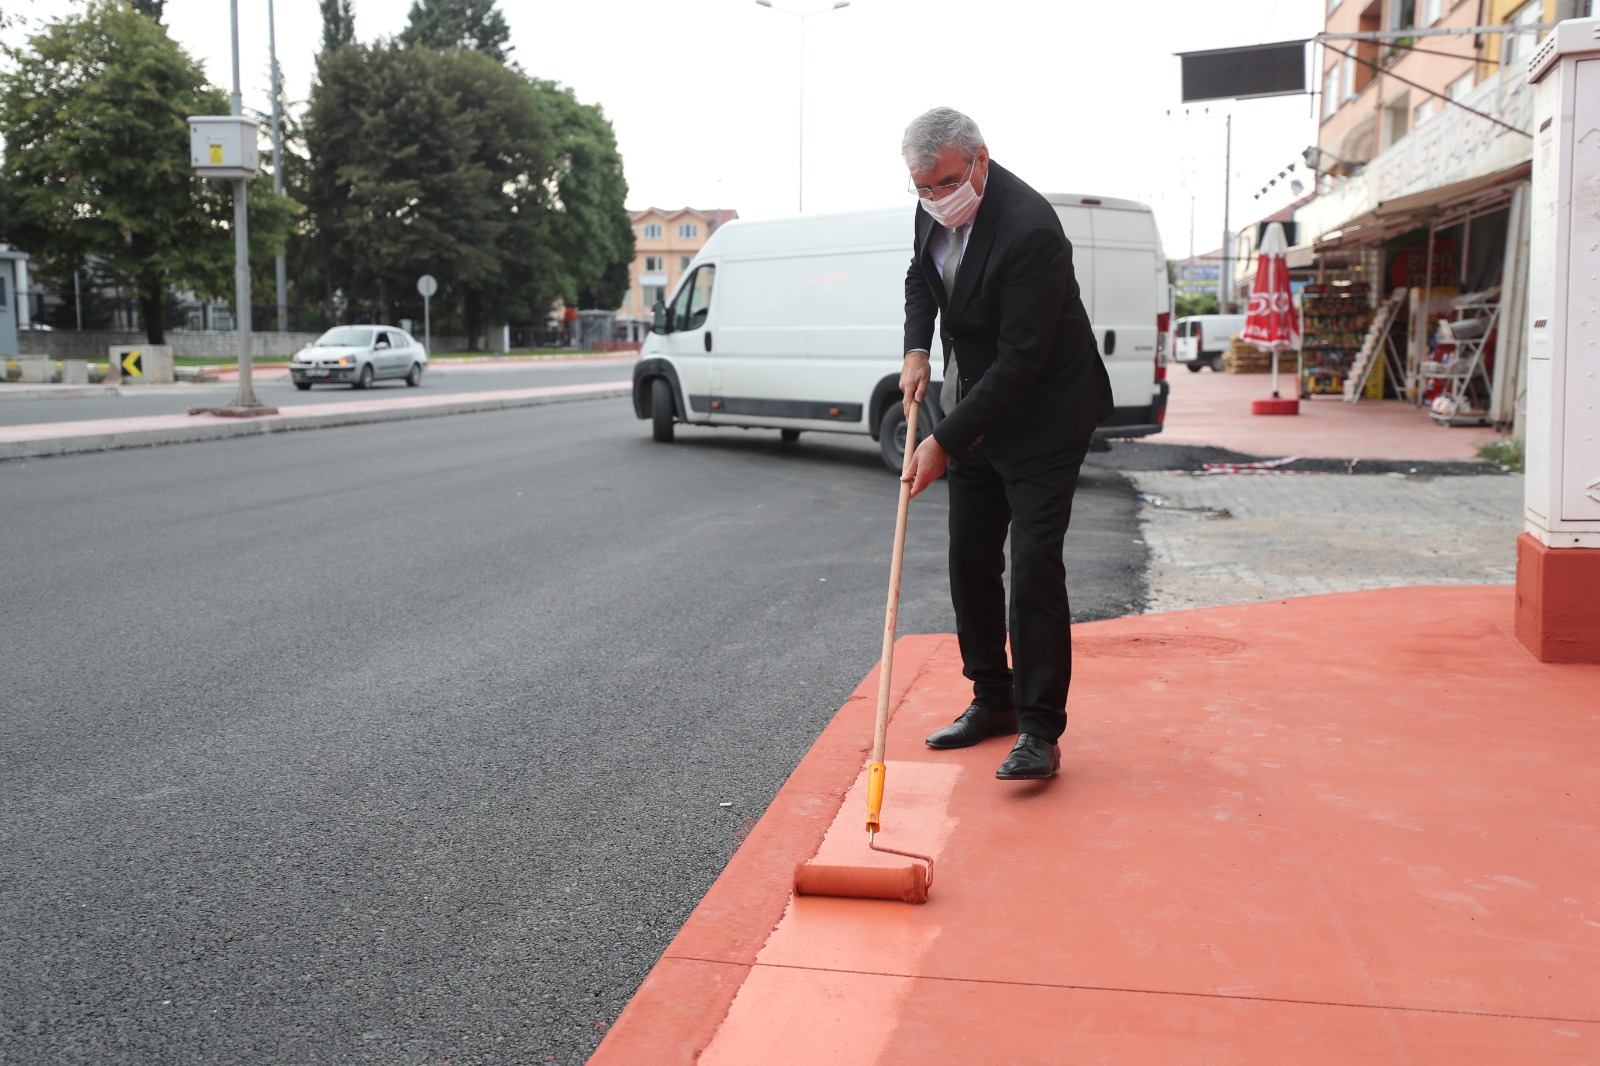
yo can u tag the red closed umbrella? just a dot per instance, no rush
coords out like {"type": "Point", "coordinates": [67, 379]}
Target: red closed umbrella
{"type": "Point", "coordinates": [1272, 323]}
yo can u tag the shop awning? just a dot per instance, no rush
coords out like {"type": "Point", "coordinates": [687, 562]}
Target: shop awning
{"type": "Point", "coordinates": [1414, 210]}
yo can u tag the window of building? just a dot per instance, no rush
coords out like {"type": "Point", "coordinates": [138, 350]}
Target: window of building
{"type": "Point", "coordinates": [652, 231]}
{"type": "Point", "coordinates": [1424, 111]}
{"type": "Point", "coordinates": [683, 261]}
{"type": "Point", "coordinates": [1396, 119]}
{"type": "Point", "coordinates": [1519, 46]}
{"type": "Point", "coordinates": [688, 230]}
{"type": "Point", "coordinates": [1333, 5]}
{"type": "Point", "coordinates": [1330, 93]}
{"type": "Point", "coordinates": [2, 292]}
{"type": "Point", "coordinates": [654, 294]}
{"type": "Point", "coordinates": [653, 263]}
{"type": "Point", "coordinates": [1347, 79]}
{"type": "Point", "coordinates": [1458, 89]}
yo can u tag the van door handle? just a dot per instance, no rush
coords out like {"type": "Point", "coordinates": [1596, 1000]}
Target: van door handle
{"type": "Point", "coordinates": [1111, 341]}
{"type": "Point", "coordinates": [708, 340]}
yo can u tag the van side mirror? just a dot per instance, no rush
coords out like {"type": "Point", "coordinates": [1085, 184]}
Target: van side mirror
{"type": "Point", "coordinates": [660, 323]}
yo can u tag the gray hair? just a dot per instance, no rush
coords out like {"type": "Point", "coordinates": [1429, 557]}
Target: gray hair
{"type": "Point", "coordinates": [943, 127]}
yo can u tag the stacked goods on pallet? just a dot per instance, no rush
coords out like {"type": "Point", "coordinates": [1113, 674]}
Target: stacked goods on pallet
{"type": "Point", "coordinates": [1245, 358]}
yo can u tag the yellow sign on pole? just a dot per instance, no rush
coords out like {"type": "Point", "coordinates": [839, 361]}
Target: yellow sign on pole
{"type": "Point", "coordinates": [216, 155]}
{"type": "Point", "coordinates": [132, 364]}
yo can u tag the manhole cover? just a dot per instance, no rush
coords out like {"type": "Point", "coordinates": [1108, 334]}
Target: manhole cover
{"type": "Point", "coordinates": [1152, 645]}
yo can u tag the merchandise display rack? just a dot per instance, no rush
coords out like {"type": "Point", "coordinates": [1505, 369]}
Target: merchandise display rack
{"type": "Point", "coordinates": [1335, 317]}
{"type": "Point", "coordinates": [1459, 360]}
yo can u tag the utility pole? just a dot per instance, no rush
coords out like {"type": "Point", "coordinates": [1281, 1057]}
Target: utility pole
{"type": "Point", "coordinates": [1226, 287]}
{"type": "Point", "coordinates": [277, 161]}
{"type": "Point", "coordinates": [244, 404]}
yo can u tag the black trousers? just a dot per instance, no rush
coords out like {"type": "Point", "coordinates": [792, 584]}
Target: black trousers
{"type": "Point", "coordinates": [1032, 499]}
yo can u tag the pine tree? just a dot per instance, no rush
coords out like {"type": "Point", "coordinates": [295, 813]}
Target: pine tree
{"type": "Point", "coordinates": [338, 24]}
{"type": "Point", "coordinates": [471, 24]}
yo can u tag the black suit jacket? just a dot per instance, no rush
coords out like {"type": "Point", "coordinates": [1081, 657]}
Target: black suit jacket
{"type": "Point", "coordinates": [1031, 376]}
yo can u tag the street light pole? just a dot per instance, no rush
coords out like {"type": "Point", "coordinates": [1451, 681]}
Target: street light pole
{"type": "Point", "coordinates": [246, 396]}
{"type": "Point", "coordinates": [800, 165]}
{"type": "Point", "coordinates": [277, 161]}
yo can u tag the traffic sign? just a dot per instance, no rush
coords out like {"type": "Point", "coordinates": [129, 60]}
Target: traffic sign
{"type": "Point", "coordinates": [427, 285]}
{"type": "Point", "coordinates": [133, 364]}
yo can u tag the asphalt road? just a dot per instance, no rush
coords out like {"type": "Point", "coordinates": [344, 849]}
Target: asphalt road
{"type": "Point", "coordinates": [407, 743]}
{"type": "Point", "coordinates": [272, 387]}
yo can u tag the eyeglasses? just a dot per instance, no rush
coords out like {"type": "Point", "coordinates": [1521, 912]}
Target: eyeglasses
{"type": "Point", "coordinates": [939, 192]}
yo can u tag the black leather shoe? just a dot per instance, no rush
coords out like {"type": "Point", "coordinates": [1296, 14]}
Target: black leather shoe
{"type": "Point", "coordinates": [976, 723]}
{"type": "Point", "coordinates": [1033, 759]}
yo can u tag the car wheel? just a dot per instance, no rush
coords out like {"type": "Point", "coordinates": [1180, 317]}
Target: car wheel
{"type": "Point", "coordinates": [303, 386]}
{"type": "Point", "coordinates": [415, 377]}
{"type": "Point", "coordinates": [365, 380]}
{"type": "Point", "coordinates": [892, 435]}
{"type": "Point", "coordinates": [1195, 368]}
{"type": "Point", "coordinates": [661, 410]}
{"type": "Point", "coordinates": [789, 435]}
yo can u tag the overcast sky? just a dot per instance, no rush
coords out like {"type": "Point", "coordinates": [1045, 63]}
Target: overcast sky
{"type": "Point", "coordinates": [704, 94]}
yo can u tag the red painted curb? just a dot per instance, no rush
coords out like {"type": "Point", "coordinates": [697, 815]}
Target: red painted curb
{"type": "Point", "coordinates": [697, 977]}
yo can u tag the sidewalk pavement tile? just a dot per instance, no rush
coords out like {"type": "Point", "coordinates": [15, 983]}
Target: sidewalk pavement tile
{"type": "Point", "coordinates": [1344, 828]}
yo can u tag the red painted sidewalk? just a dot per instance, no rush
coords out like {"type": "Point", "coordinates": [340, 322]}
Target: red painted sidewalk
{"type": "Point", "coordinates": [1356, 828]}
{"type": "Point", "coordinates": [1214, 409]}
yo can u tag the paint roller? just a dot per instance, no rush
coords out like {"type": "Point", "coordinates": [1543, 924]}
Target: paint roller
{"type": "Point", "coordinates": [908, 884]}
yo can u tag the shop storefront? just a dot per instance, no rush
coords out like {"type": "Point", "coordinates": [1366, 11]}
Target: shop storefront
{"type": "Point", "coordinates": [1420, 260]}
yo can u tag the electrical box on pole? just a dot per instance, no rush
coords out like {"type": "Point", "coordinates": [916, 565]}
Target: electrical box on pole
{"type": "Point", "coordinates": [223, 146]}
{"type": "Point", "coordinates": [1558, 558]}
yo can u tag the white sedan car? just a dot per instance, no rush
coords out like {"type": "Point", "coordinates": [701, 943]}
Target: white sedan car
{"type": "Point", "coordinates": [358, 356]}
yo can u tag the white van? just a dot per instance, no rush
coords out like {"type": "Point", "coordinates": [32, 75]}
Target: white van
{"type": "Point", "coordinates": [1200, 341]}
{"type": "Point", "coordinates": [796, 324]}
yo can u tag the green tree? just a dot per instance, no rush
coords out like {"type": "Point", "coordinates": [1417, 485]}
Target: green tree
{"type": "Point", "coordinates": [94, 119]}
{"type": "Point", "coordinates": [151, 8]}
{"type": "Point", "coordinates": [1186, 304]}
{"type": "Point", "coordinates": [338, 24]}
{"type": "Point", "coordinates": [591, 235]}
{"type": "Point", "coordinates": [426, 162]}
{"type": "Point", "coordinates": [473, 24]}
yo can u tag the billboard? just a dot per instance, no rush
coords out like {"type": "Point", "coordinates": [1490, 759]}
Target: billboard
{"type": "Point", "coordinates": [1199, 277]}
{"type": "Point", "coordinates": [1241, 73]}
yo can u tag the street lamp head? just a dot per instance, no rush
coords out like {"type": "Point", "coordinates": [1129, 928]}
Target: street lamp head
{"type": "Point", "coordinates": [764, 3]}
{"type": "Point", "coordinates": [841, 3]}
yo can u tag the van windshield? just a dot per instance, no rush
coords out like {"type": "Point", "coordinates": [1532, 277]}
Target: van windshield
{"type": "Point", "coordinates": [692, 303]}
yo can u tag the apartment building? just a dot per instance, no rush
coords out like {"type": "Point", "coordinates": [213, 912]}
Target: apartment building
{"type": "Point", "coordinates": [665, 241]}
{"type": "Point", "coordinates": [1423, 159]}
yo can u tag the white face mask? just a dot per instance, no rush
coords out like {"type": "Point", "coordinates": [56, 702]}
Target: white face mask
{"type": "Point", "coordinates": [957, 208]}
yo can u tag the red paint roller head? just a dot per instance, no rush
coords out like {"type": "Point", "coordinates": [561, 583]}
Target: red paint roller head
{"type": "Point", "coordinates": [907, 884]}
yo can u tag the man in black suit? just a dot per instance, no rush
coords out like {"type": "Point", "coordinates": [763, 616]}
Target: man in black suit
{"type": "Point", "coordinates": [1024, 388]}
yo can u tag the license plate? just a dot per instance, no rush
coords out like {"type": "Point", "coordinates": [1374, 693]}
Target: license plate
{"type": "Point", "coordinates": [316, 373]}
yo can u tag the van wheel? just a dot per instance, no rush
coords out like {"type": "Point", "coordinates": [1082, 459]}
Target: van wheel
{"type": "Point", "coordinates": [1216, 364]}
{"type": "Point", "coordinates": [789, 435]}
{"type": "Point", "coordinates": [1195, 368]}
{"type": "Point", "coordinates": [661, 410]}
{"type": "Point", "coordinates": [892, 436]}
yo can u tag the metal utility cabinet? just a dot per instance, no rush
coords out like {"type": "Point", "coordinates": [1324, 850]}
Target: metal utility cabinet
{"type": "Point", "coordinates": [1558, 558]}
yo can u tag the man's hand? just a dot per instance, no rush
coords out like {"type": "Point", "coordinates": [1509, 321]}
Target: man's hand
{"type": "Point", "coordinates": [927, 464]}
{"type": "Point", "coordinates": [914, 376]}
